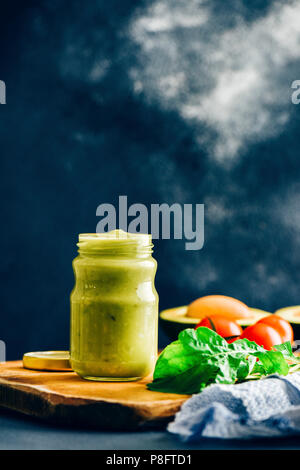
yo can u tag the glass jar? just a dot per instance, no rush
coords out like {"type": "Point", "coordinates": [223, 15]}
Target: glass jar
{"type": "Point", "coordinates": [114, 307]}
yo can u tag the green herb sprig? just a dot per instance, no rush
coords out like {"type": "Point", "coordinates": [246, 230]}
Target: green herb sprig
{"type": "Point", "coordinates": [202, 357]}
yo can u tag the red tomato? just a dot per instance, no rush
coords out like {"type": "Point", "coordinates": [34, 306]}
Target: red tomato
{"type": "Point", "coordinates": [225, 327]}
{"type": "Point", "coordinates": [263, 335]}
{"type": "Point", "coordinates": [282, 326]}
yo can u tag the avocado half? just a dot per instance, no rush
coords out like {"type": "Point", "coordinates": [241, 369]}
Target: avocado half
{"type": "Point", "coordinates": [292, 315]}
{"type": "Point", "coordinates": [174, 320]}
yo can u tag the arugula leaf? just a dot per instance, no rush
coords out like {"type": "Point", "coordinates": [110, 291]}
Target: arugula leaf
{"type": "Point", "coordinates": [201, 357]}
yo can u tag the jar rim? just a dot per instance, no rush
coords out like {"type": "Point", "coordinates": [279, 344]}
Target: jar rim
{"type": "Point", "coordinates": [115, 241]}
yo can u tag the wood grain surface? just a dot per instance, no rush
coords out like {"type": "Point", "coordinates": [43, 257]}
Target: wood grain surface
{"type": "Point", "coordinates": [63, 398]}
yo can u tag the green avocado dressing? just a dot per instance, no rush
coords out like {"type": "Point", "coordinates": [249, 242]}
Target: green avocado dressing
{"type": "Point", "coordinates": [114, 307]}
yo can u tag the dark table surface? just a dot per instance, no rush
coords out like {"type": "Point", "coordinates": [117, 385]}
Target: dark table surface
{"type": "Point", "coordinates": [21, 432]}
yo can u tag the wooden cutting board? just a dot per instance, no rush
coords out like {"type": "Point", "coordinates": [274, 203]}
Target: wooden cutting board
{"type": "Point", "coordinates": [64, 398]}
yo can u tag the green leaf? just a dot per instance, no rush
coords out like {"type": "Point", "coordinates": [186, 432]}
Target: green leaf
{"type": "Point", "coordinates": [192, 380]}
{"type": "Point", "coordinates": [202, 340]}
{"type": "Point", "coordinates": [286, 350]}
{"type": "Point", "coordinates": [174, 360]}
{"type": "Point", "coordinates": [228, 369]}
{"type": "Point", "coordinates": [273, 362]}
{"type": "Point", "coordinates": [245, 346]}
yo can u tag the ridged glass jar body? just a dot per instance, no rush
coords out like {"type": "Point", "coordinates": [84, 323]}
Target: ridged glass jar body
{"type": "Point", "coordinates": [114, 310]}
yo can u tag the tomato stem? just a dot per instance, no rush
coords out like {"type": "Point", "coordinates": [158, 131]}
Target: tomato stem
{"type": "Point", "coordinates": [212, 324]}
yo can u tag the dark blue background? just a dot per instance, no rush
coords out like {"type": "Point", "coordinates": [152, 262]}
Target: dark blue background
{"type": "Point", "coordinates": [75, 134]}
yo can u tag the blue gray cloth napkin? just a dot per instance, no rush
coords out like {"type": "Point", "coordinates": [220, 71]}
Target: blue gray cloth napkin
{"type": "Point", "coordinates": [263, 408]}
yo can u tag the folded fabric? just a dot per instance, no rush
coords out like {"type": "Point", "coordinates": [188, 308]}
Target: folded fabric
{"type": "Point", "coordinates": [263, 408]}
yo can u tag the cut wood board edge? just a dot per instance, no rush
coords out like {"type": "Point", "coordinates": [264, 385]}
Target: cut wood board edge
{"type": "Point", "coordinates": [84, 412]}
{"type": "Point", "coordinates": [64, 409]}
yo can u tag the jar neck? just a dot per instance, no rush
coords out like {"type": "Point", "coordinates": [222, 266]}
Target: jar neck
{"type": "Point", "coordinates": [115, 244]}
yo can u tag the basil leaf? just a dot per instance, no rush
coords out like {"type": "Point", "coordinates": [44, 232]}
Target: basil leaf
{"type": "Point", "coordinates": [202, 340]}
{"type": "Point", "coordinates": [229, 367]}
{"type": "Point", "coordinates": [192, 380]}
{"type": "Point", "coordinates": [174, 360]}
{"type": "Point", "coordinates": [245, 346]}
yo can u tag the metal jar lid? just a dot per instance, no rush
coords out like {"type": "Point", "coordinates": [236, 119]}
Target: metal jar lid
{"type": "Point", "coordinates": [47, 360]}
